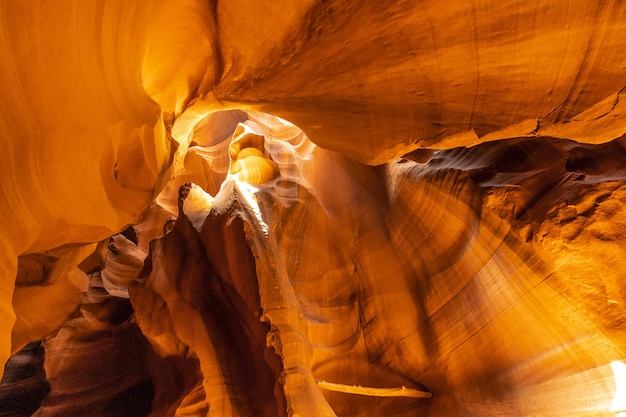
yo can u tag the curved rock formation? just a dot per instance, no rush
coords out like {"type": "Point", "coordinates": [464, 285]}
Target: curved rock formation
{"type": "Point", "coordinates": [24, 383]}
{"type": "Point", "coordinates": [390, 198]}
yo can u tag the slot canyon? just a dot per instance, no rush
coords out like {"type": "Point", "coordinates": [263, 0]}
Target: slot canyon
{"type": "Point", "coordinates": [312, 208]}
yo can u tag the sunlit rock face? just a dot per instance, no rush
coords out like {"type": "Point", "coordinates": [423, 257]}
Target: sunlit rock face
{"type": "Point", "coordinates": [439, 232]}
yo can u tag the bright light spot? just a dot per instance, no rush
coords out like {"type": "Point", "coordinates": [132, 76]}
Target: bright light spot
{"type": "Point", "coordinates": [247, 191]}
{"type": "Point", "coordinates": [619, 401]}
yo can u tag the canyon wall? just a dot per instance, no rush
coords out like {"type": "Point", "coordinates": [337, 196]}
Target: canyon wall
{"type": "Point", "coordinates": [421, 199]}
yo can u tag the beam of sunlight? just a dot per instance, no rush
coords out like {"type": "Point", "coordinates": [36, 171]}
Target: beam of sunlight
{"type": "Point", "coordinates": [619, 400]}
{"type": "Point", "coordinates": [247, 191]}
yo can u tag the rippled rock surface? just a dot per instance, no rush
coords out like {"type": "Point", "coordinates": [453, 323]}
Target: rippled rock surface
{"type": "Point", "coordinates": [24, 383]}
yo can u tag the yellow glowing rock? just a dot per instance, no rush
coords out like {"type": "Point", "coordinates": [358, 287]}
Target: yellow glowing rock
{"type": "Point", "coordinates": [249, 161]}
{"type": "Point", "coordinates": [42, 307]}
{"type": "Point", "coordinates": [197, 204]}
{"type": "Point", "coordinates": [254, 169]}
{"type": "Point", "coordinates": [121, 266]}
{"type": "Point", "coordinates": [89, 143]}
{"type": "Point", "coordinates": [245, 137]}
{"type": "Point", "coordinates": [485, 266]}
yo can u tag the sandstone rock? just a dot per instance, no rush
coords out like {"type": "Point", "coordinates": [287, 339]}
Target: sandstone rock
{"type": "Point", "coordinates": [386, 194]}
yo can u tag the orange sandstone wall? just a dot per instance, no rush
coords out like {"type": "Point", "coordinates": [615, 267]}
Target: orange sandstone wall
{"type": "Point", "coordinates": [458, 226]}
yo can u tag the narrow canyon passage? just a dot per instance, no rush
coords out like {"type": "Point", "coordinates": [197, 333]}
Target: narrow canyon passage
{"type": "Point", "coordinates": [329, 208]}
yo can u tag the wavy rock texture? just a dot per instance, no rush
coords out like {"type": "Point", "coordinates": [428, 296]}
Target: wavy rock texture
{"type": "Point", "coordinates": [84, 139]}
{"type": "Point", "coordinates": [24, 383]}
{"type": "Point", "coordinates": [449, 218]}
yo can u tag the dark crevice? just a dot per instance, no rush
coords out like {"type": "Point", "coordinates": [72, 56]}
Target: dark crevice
{"type": "Point", "coordinates": [24, 384]}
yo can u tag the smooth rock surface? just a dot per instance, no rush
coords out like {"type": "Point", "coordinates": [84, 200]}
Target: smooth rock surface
{"type": "Point", "coordinates": [439, 206]}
